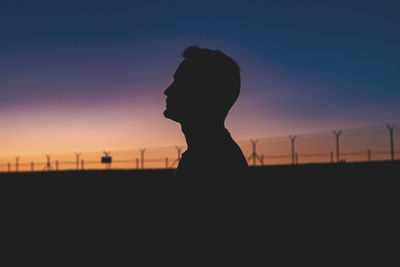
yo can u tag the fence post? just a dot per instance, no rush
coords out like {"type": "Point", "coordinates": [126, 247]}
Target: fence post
{"type": "Point", "coordinates": [391, 127]}
{"type": "Point", "coordinates": [32, 166]}
{"type": "Point", "coordinates": [77, 160]}
{"type": "Point", "coordinates": [166, 162]}
{"type": "Point", "coordinates": [48, 163]}
{"type": "Point", "coordinates": [254, 155]}
{"type": "Point", "coordinates": [9, 167]}
{"type": "Point", "coordinates": [56, 165]}
{"type": "Point", "coordinates": [337, 134]}
{"type": "Point", "coordinates": [82, 165]}
{"type": "Point", "coordinates": [142, 157]}
{"type": "Point", "coordinates": [179, 151]}
{"type": "Point", "coordinates": [16, 163]}
{"type": "Point", "coordinates": [297, 158]}
{"type": "Point", "coordinates": [369, 155]}
{"type": "Point", "coordinates": [292, 139]}
{"type": "Point", "coordinates": [137, 163]}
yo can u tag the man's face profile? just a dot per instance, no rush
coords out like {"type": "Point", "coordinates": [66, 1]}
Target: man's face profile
{"type": "Point", "coordinates": [181, 94]}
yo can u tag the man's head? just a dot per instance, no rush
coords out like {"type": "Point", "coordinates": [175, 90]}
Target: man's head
{"type": "Point", "coordinates": [206, 85]}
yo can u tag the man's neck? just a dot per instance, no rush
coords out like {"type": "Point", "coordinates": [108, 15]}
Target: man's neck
{"type": "Point", "coordinates": [200, 135]}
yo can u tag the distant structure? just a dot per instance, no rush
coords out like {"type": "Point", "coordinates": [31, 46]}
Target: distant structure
{"type": "Point", "coordinates": [106, 159]}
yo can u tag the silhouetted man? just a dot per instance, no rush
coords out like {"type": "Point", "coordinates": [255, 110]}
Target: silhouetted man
{"type": "Point", "coordinates": [206, 85]}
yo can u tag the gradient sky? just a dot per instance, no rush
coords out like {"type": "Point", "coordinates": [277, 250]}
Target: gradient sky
{"type": "Point", "coordinates": [88, 76]}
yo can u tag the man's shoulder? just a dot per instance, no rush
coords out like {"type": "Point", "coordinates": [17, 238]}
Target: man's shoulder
{"type": "Point", "coordinates": [233, 154]}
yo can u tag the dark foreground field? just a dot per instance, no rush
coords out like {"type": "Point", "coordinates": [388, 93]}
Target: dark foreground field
{"type": "Point", "coordinates": [348, 186]}
{"type": "Point", "coordinates": [341, 207]}
{"type": "Point", "coordinates": [286, 182]}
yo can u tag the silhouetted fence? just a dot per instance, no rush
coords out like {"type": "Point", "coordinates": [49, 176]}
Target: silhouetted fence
{"type": "Point", "coordinates": [362, 144]}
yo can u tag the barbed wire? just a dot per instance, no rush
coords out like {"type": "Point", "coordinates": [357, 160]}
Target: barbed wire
{"type": "Point", "coordinates": [271, 157]}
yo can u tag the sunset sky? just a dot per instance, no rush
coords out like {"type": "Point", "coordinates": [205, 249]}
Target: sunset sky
{"type": "Point", "coordinates": [90, 75]}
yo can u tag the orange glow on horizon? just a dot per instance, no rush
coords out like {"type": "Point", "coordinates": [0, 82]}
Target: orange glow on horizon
{"type": "Point", "coordinates": [311, 148]}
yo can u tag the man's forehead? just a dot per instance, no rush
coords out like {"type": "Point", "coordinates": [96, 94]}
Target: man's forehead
{"type": "Point", "coordinates": [181, 69]}
{"type": "Point", "coordinates": [186, 68]}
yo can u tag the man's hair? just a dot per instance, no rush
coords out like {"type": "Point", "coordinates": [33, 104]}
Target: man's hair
{"type": "Point", "coordinates": [219, 73]}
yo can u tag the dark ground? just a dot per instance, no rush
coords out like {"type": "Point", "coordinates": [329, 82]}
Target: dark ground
{"type": "Point", "coordinates": [341, 209]}
{"type": "Point", "coordinates": [351, 182]}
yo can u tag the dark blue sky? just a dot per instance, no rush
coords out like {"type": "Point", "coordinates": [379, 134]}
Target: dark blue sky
{"type": "Point", "coordinates": [314, 64]}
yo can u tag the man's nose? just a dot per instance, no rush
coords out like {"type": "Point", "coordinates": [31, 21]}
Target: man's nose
{"type": "Point", "coordinates": [166, 91]}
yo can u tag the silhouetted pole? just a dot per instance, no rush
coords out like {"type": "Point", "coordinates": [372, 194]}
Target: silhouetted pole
{"type": "Point", "coordinates": [179, 150]}
{"type": "Point", "coordinates": [77, 160]}
{"type": "Point", "coordinates": [166, 162]}
{"type": "Point", "coordinates": [9, 167]}
{"type": "Point", "coordinates": [292, 139]}
{"type": "Point", "coordinates": [56, 165]}
{"type": "Point", "coordinates": [137, 163]}
{"type": "Point", "coordinates": [179, 155]}
{"type": "Point", "coordinates": [254, 142]}
{"type": "Point", "coordinates": [297, 158]}
{"type": "Point", "coordinates": [369, 155]}
{"type": "Point", "coordinates": [107, 165]}
{"type": "Point", "coordinates": [82, 165]}
{"type": "Point", "coordinates": [32, 165]}
{"type": "Point", "coordinates": [254, 155]}
{"type": "Point", "coordinates": [48, 164]}
{"type": "Point", "coordinates": [142, 157]}
{"type": "Point", "coordinates": [262, 160]}
{"type": "Point", "coordinates": [331, 157]}
{"type": "Point", "coordinates": [16, 163]}
{"type": "Point", "coordinates": [337, 134]}
{"type": "Point", "coordinates": [391, 127]}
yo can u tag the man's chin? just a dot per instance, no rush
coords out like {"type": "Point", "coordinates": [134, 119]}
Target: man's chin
{"type": "Point", "coordinates": [171, 116]}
